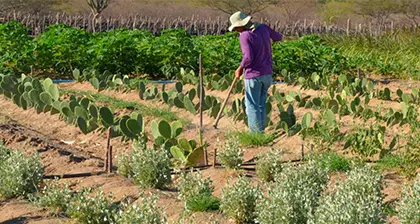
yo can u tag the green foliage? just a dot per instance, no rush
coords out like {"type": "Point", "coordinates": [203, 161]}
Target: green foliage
{"type": "Point", "coordinates": [408, 211]}
{"type": "Point", "coordinates": [332, 161]}
{"type": "Point", "coordinates": [203, 203]}
{"type": "Point", "coordinates": [124, 165]}
{"type": "Point", "coordinates": [94, 209]}
{"type": "Point", "coordinates": [175, 50]}
{"type": "Point", "coordinates": [390, 162]}
{"type": "Point", "coordinates": [196, 192]}
{"type": "Point", "coordinates": [219, 52]}
{"type": "Point", "coordinates": [192, 184]}
{"type": "Point", "coordinates": [145, 211]}
{"type": "Point", "coordinates": [299, 57]}
{"type": "Point", "coordinates": [411, 155]}
{"type": "Point", "coordinates": [121, 51]}
{"type": "Point", "coordinates": [325, 131]}
{"type": "Point", "coordinates": [386, 54]}
{"type": "Point", "coordinates": [20, 174]}
{"type": "Point", "coordinates": [294, 196]}
{"type": "Point", "coordinates": [149, 167]}
{"type": "Point", "coordinates": [62, 48]}
{"type": "Point", "coordinates": [269, 165]}
{"type": "Point", "coordinates": [165, 134]}
{"type": "Point", "coordinates": [366, 142]}
{"type": "Point", "coordinates": [253, 139]}
{"type": "Point", "coordinates": [16, 48]}
{"type": "Point", "coordinates": [239, 200]}
{"type": "Point", "coordinates": [54, 196]}
{"type": "Point", "coordinates": [187, 153]}
{"type": "Point", "coordinates": [231, 156]}
{"type": "Point", "coordinates": [115, 103]}
{"type": "Point", "coordinates": [358, 200]}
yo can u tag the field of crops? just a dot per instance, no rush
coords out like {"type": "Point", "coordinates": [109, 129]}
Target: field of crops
{"type": "Point", "coordinates": [342, 143]}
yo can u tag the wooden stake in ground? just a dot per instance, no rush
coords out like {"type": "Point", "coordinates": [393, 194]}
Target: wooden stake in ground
{"type": "Point", "coordinates": [110, 160]}
{"type": "Point", "coordinates": [224, 103]}
{"type": "Point", "coordinates": [107, 156]}
{"type": "Point", "coordinates": [201, 91]}
{"type": "Point", "coordinates": [200, 62]}
{"type": "Point", "coordinates": [215, 157]}
{"type": "Point", "coordinates": [303, 152]}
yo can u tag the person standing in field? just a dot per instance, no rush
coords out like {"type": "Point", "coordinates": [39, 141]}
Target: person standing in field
{"type": "Point", "coordinates": [257, 62]}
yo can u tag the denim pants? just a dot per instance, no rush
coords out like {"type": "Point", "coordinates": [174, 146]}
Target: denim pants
{"type": "Point", "coordinates": [255, 102]}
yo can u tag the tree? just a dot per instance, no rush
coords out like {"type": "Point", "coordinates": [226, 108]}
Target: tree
{"type": "Point", "coordinates": [296, 9]}
{"type": "Point", "coordinates": [97, 6]}
{"type": "Point", "coordinates": [411, 9]}
{"type": "Point", "coordinates": [246, 6]}
{"type": "Point", "coordinates": [379, 10]}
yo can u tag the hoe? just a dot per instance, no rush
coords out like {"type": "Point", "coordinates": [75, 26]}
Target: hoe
{"type": "Point", "coordinates": [219, 115]}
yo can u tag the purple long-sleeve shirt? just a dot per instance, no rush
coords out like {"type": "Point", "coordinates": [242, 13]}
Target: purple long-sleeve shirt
{"type": "Point", "coordinates": [257, 58]}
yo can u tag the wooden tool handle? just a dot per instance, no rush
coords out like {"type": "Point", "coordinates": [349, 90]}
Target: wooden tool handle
{"type": "Point", "coordinates": [224, 103]}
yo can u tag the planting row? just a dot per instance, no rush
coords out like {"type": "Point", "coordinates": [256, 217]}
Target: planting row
{"type": "Point", "coordinates": [346, 96]}
{"type": "Point", "coordinates": [292, 195]}
{"type": "Point", "coordinates": [44, 97]}
{"type": "Point", "coordinates": [62, 48]}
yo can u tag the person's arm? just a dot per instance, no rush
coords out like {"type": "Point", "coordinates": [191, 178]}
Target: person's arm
{"type": "Point", "coordinates": [275, 36]}
{"type": "Point", "coordinates": [246, 48]}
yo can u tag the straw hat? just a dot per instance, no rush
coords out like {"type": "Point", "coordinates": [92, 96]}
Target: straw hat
{"type": "Point", "coordinates": [238, 19]}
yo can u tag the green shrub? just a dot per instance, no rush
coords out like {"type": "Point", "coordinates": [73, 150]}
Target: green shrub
{"type": "Point", "coordinates": [145, 212]}
{"type": "Point", "coordinates": [192, 184]}
{"type": "Point", "coordinates": [269, 165]}
{"type": "Point", "coordinates": [300, 57]}
{"type": "Point", "coordinates": [239, 200]}
{"type": "Point", "coordinates": [93, 210]}
{"type": "Point", "coordinates": [54, 196]}
{"type": "Point", "coordinates": [62, 48]}
{"type": "Point", "coordinates": [332, 161]}
{"type": "Point", "coordinates": [219, 52]}
{"type": "Point", "coordinates": [411, 155]}
{"type": "Point", "coordinates": [231, 156]}
{"type": "Point", "coordinates": [197, 192]}
{"type": "Point", "coordinates": [20, 174]}
{"type": "Point", "coordinates": [203, 203]}
{"type": "Point", "coordinates": [409, 211]}
{"type": "Point", "coordinates": [389, 162]}
{"type": "Point", "coordinates": [121, 51]}
{"type": "Point", "coordinates": [358, 200]}
{"type": "Point", "coordinates": [4, 152]}
{"type": "Point", "coordinates": [16, 48]}
{"type": "Point", "coordinates": [293, 197]}
{"type": "Point", "coordinates": [366, 141]}
{"type": "Point", "coordinates": [150, 168]}
{"type": "Point", "coordinates": [173, 50]}
{"type": "Point", "coordinates": [254, 139]}
{"type": "Point", "coordinates": [124, 165]}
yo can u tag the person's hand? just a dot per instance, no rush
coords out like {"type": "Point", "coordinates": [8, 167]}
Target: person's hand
{"type": "Point", "coordinates": [238, 72]}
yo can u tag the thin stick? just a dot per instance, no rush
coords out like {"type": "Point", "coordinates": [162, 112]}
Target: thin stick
{"type": "Point", "coordinates": [214, 157]}
{"type": "Point", "coordinates": [108, 144]}
{"type": "Point", "coordinates": [303, 151]}
{"type": "Point", "coordinates": [110, 160]}
{"type": "Point", "coordinates": [200, 62]}
{"type": "Point", "coordinates": [224, 103]}
{"type": "Point", "coordinates": [201, 91]}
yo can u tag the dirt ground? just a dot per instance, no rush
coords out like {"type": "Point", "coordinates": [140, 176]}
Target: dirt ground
{"type": "Point", "coordinates": [65, 150]}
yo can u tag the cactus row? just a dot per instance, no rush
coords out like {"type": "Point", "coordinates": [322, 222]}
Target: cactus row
{"type": "Point", "coordinates": [44, 97]}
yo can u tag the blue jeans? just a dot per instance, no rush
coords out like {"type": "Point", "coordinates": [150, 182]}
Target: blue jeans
{"type": "Point", "coordinates": [255, 102]}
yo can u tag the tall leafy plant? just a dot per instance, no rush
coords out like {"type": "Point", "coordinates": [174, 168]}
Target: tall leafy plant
{"type": "Point", "coordinates": [62, 48]}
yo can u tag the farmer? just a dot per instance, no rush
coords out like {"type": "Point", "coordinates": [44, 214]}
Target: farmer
{"type": "Point", "coordinates": [257, 61]}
